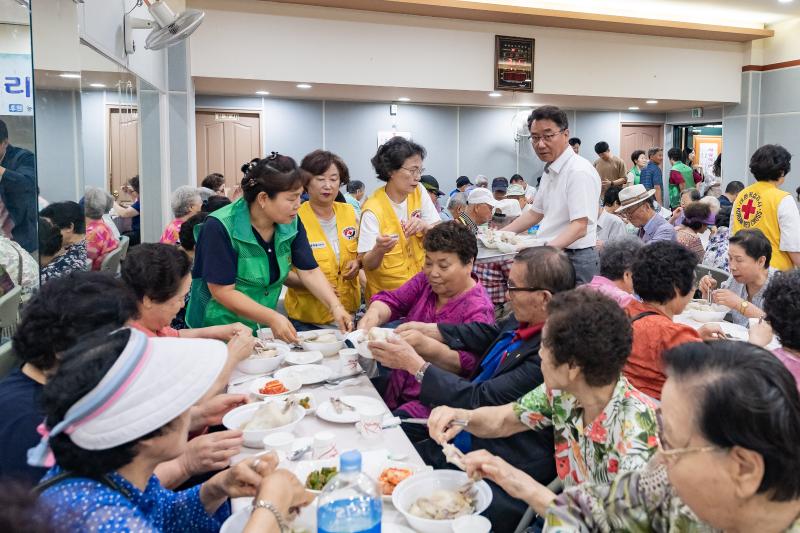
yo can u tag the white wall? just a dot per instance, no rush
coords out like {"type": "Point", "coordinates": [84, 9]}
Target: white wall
{"type": "Point", "coordinates": [785, 45]}
{"type": "Point", "coordinates": [298, 43]}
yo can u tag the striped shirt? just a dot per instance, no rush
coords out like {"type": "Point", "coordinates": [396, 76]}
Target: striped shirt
{"type": "Point", "coordinates": [468, 222]}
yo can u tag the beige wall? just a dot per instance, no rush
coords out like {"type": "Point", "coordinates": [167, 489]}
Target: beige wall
{"type": "Point", "coordinates": [785, 45]}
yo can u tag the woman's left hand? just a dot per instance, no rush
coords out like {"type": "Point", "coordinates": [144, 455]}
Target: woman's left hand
{"type": "Point", "coordinates": [485, 465]}
{"type": "Point", "coordinates": [211, 411]}
{"type": "Point", "coordinates": [727, 298]}
{"type": "Point", "coordinates": [414, 225]}
{"type": "Point", "coordinates": [351, 271]}
{"type": "Point", "coordinates": [237, 328]}
{"type": "Point", "coordinates": [760, 334]}
{"type": "Point", "coordinates": [396, 353]}
{"type": "Point", "coordinates": [241, 346]}
{"type": "Point", "coordinates": [342, 318]}
{"type": "Point", "coordinates": [244, 478]}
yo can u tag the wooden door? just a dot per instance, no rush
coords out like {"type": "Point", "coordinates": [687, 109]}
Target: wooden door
{"type": "Point", "coordinates": [638, 137]}
{"type": "Point", "coordinates": [123, 149]}
{"type": "Point", "coordinates": [224, 142]}
{"type": "Point", "coordinates": [706, 150]}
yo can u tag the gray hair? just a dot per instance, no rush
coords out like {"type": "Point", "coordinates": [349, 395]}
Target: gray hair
{"type": "Point", "coordinates": [96, 203]}
{"type": "Point", "coordinates": [617, 256]}
{"type": "Point", "coordinates": [459, 199]}
{"type": "Point", "coordinates": [712, 202]}
{"type": "Point", "coordinates": [182, 200]}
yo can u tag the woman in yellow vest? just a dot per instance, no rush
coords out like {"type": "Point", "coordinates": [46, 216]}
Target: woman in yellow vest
{"type": "Point", "coordinates": [764, 206]}
{"type": "Point", "coordinates": [332, 229]}
{"type": "Point", "coordinates": [395, 218]}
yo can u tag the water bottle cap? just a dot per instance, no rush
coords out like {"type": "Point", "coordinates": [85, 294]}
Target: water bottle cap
{"type": "Point", "coordinates": [350, 461]}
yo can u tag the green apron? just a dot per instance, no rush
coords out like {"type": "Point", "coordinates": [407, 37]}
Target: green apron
{"type": "Point", "coordinates": [688, 180]}
{"type": "Point", "coordinates": [252, 269]}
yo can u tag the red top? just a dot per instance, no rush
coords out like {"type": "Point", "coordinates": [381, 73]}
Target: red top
{"type": "Point", "coordinates": [652, 336]}
{"type": "Point", "coordinates": [163, 332]}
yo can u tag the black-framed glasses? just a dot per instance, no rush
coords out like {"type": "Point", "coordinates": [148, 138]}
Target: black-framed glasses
{"type": "Point", "coordinates": [512, 288]}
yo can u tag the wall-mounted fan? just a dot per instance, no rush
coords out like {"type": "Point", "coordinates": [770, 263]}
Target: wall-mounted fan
{"type": "Point", "coordinates": [168, 28]}
{"type": "Point", "coordinates": [519, 125]}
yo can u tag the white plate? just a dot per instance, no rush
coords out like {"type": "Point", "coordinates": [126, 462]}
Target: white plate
{"type": "Point", "coordinates": [303, 358]}
{"type": "Point", "coordinates": [359, 339]}
{"type": "Point", "coordinates": [306, 374]}
{"type": "Point", "coordinates": [291, 384]}
{"type": "Point", "coordinates": [325, 411]}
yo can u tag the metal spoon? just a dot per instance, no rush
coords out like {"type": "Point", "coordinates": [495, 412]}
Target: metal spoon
{"type": "Point", "coordinates": [295, 455]}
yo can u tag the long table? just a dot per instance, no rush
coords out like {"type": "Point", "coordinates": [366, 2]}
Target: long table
{"type": "Point", "coordinates": [347, 437]}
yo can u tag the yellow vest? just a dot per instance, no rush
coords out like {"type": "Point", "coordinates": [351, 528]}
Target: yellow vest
{"type": "Point", "coordinates": [407, 258]}
{"type": "Point", "coordinates": [300, 303]}
{"type": "Point", "coordinates": [756, 207]}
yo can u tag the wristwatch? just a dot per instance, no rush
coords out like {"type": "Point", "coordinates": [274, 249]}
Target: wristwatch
{"type": "Point", "coordinates": [269, 506]}
{"type": "Point", "coordinates": [420, 374]}
{"type": "Point", "coordinates": [743, 306]}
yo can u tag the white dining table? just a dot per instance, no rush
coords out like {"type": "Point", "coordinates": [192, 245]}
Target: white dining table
{"type": "Point", "coordinates": [393, 440]}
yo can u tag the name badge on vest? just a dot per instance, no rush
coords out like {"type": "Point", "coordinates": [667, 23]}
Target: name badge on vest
{"type": "Point", "coordinates": [417, 213]}
{"type": "Point", "coordinates": [349, 233]}
{"type": "Point", "coordinates": [317, 245]}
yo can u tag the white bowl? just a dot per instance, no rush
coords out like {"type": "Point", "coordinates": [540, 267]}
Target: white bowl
{"type": "Point", "coordinates": [264, 365]}
{"type": "Point", "coordinates": [359, 339]}
{"type": "Point", "coordinates": [303, 358]}
{"type": "Point", "coordinates": [327, 348]}
{"type": "Point", "coordinates": [717, 313]}
{"type": "Point", "coordinates": [238, 417]}
{"type": "Point", "coordinates": [424, 484]}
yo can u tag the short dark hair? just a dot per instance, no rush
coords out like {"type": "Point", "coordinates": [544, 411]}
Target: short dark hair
{"type": "Point", "coordinates": [694, 214]}
{"type": "Point", "coordinates": [355, 186]}
{"type": "Point", "coordinates": [50, 238]}
{"type": "Point", "coordinates": [319, 161]}
{"type": "Point", "coordinates": [590, 330]}
{"type": "Point", "coordinates": [611, 196]}
{"type": "Point", "coordinates": [245, 168]}
{"type": "Point", "coordinates": [452, 237]}
{"type": "Point", "coordinates": [686, 153]}
{"type": "Point", "coordinates": [694, 194]}
{"type": "Point", "coordinates": [601, 148]}
{"type": "Point", "coordinates": [134, 183]}
{"type": "Point", "coordinates": [516, 177]}
{"type": "Point", "coordinates": [392, 154]}
{"type": "Point", "coordinates": [155, 270]}
{"type": "Point", "coordinates": [734, 187]}
{"type": "Point", "coordinates": [186, 233]}
{"type": "Point", "coordinates": [572, 141]}
{"type": "Point", "coordinates": [766, 419]}
{"type": "Point", "coordinates": [716, 169]}
{"type": "Point", "coordinates": [653, 151]}
{"type": "Point", "coordinates": [213, 203]}
{"type": "Point", "coordinates": [3, 131]}
{"type": "Point", "coordinates": [548, 268]}
{"type": "Point", "coordinates": [635, 155]}
{"type": "Point", "coordinates": [770, 162]}
{"type": "Point", "coordinates": [549, 112]}
{"type": "Point", "coordinates": [782, 307]}
{"type": "Point", "coordinates": [81, 369]}
{"type": "Point", "coordinates": [66, 215]}
{"type": "Point", "coordinates": [67, 308]}
{"type": "Point", "coordinates": [618, 256]}
{"type": "Point", "coordinates": [272, 175]}
{"type": "Point", "coordinates": [662, 267]}
{"type": "Point", "coordinates": [675, 154]}
{"type": "Point", "coordinates": [213, 181]}
{"type": "Point", "coordinates": [754, 243]}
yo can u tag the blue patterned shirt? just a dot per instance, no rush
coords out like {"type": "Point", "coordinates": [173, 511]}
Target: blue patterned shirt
{"type": "Point", "coordinates": [81, 504]}
{"type": "Point", "coordinates": [651, 176]}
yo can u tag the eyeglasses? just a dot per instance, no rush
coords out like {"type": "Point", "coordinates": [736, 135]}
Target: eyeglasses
{"type": "Point", "coordinates": [511, 288]}
{"type": "Point", "coordinates": [536, 139]}
{"type": "Point", "coordinates": [415, 170]}
{"type": "Point", "coordinates": [671, 455]}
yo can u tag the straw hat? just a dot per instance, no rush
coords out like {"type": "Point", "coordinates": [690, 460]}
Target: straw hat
{"type": "Point", "coordinates": [633, 195]}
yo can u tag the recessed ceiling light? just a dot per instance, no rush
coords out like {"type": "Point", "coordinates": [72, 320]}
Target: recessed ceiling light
{"type": "Point", "coordinates": [262, 93]}
{"type": "Point", "coordinates": [404, 99]}
{"type": "Point", "coordinates": [495, 95]}
{"type": "Point", "coordinates": [633, 108]}
{"type": "Point", "coordinates": [97, 85]}
{"type": "Point", "coordinates": [70, 75]}
{"type": "Point", "coordinates": [652, 102]}
{"type": "Point", "coordinates": [785, 1]}
{"type": "Point", "coordinates": [303, 86]}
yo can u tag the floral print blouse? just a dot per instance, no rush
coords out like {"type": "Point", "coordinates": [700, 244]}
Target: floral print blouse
{"type": "Point", "coordinates": [100, 240]}
{"type": "Point", "coordinates": [717, 250]}
{"type": "Point", "coordinates": [74, 259]}
{"type": "Point", "coordinates": [171, 233]}
{"type": "Point", "coordinates": [621, 438]}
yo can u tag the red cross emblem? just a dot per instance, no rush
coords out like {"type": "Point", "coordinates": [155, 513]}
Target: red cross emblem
{"type": "Point", "coordinates": [748, 209]}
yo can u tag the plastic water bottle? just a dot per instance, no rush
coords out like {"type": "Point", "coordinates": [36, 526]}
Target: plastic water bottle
{"type": "Point", "coordinates": [350, 502]}
{"type": "Point", "coordinates": [533, 230]}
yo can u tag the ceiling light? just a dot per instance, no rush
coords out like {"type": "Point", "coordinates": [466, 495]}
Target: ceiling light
{"type": "Point", "coordinates": [785, 1]}
{"type": "Point", "coordinates": [70, 75]}
{"type": "Point", "coordinates": [633, 108]}
{"type": "Point", "coordinates": [495, 95]}
{"type": "Point", "coordinates": [652, 102]}
{"type": "Point", "coordinates": [404, 99]}
{"type": "Point", "coordinates": [262, 93]}
{"type": "Point", "coordinates": [98, 85]}
{"type": "Point", "coordinates": [303, 86]}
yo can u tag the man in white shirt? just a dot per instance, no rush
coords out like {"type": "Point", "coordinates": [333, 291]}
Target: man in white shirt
{"type": "Point", "coordinates": [565, 206]}
{"type": "Point", "coordinates": [530, 192]}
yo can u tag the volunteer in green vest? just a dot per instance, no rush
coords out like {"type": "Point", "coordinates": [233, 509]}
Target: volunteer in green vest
{"type": "Point", "coordinates": [639, 159]}
{"type": "Point", "coordinates": [245, 251]}
{"type": "Point", "coordinates": [680, 177]}
{"type": "Point", "coordinates": [395, 218]}
{"type": "Point", "coordinates": [332, 229]}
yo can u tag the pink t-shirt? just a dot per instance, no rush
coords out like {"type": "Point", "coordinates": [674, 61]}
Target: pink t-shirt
{"type": "Point", "coordinates": [792, 363]}
{"type": "Point", "coordinates": [163, 332]}
{"type": "Point", "coordinates": [172, 232]}
{"type": "Point", "coordinates": [607, 287]}
{"type": "Point", "coordinates": [99, 241]}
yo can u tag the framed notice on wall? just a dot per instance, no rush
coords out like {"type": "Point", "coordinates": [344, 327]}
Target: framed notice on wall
{"type": "Point", "coordinates": [513, 63]}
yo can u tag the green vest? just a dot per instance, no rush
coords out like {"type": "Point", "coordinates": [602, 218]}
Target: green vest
{"type": "Point", "coordinates": [252, 269]}
{"type": "Point", "coordinates": [688, 180]}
